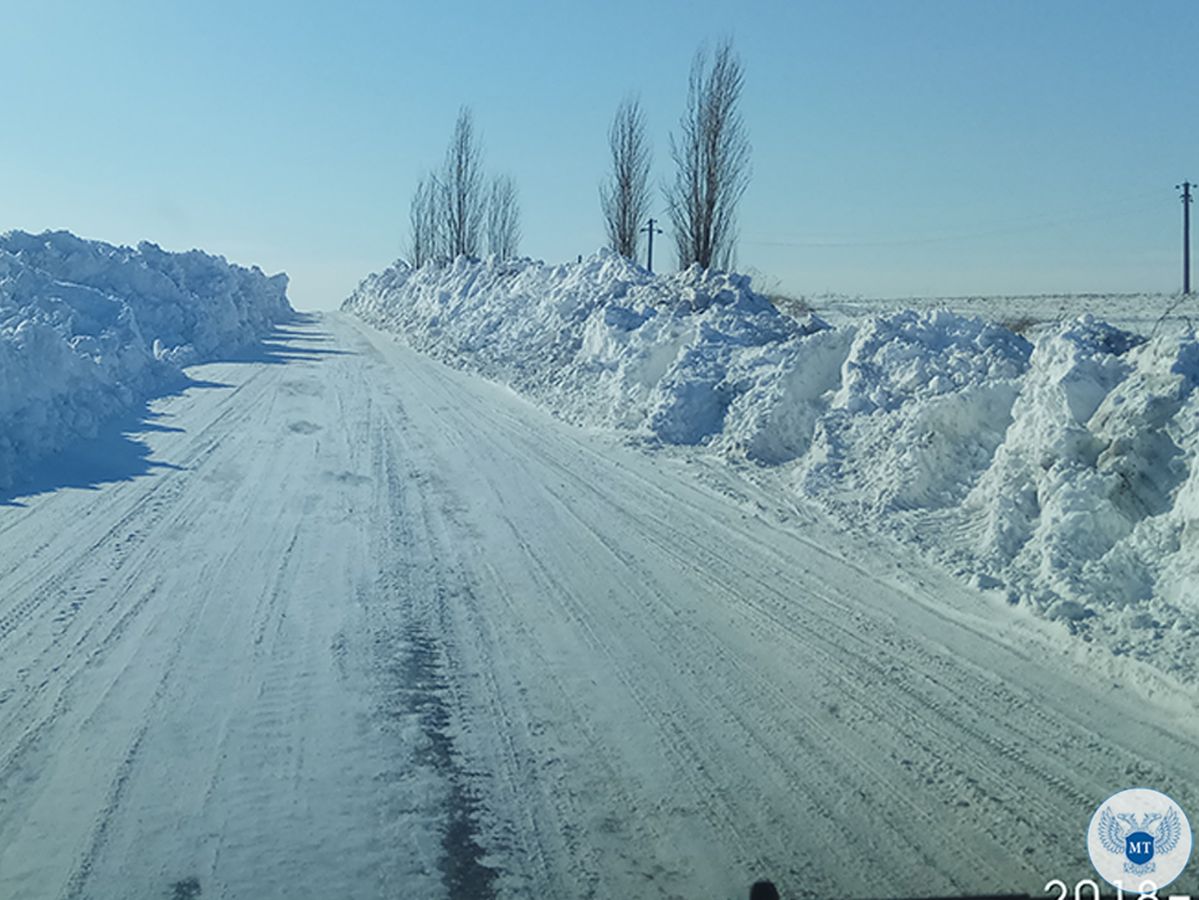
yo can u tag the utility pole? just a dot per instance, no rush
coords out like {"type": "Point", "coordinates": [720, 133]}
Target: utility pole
{"type": "Point", "coordinates": [1185, 187]}
{"type": "Point", "coordinates": [651, 230]}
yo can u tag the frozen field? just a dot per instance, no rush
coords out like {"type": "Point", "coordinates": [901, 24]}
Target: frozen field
{"type": "Point", "coordinates": [1144, 314]}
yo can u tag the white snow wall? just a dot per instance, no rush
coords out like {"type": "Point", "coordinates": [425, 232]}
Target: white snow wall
{"type": "Point", "coordinates": [88, 329]}
{"type": "Point", "coordinates": [1061, 474]}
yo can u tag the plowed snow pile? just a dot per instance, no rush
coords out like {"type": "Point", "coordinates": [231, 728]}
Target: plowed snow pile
{"type": "Point", "coordinates": [1061, 473]}
{"type": "Point", "coordinates": [601, 343]}
{"type": "Point", "coordinates": [87, 329]}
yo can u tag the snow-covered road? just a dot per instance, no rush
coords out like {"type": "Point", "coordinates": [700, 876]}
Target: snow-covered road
{"type": "Point", "coordinates": [360, 625]}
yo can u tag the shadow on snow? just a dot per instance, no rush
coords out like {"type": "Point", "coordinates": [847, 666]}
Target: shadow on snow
{"type": "Point", "coordinates": [286, 343]}
{"type": "Point", "coordinates": [117, 452]}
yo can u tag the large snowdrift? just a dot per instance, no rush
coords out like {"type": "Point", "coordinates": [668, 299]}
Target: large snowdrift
{"type": "Point", "coordinates": [602, 343]}
{"type": "Point", "coordinates": [1061, 473]}
{"type": "Point", "coordinates": [87, 329]}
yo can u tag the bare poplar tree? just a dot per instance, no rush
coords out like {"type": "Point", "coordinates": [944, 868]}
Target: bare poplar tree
{"type": "Point", "coordinates": [624, 197]}
{"type": "Point", "coordinates": [425, 219]}
{"type": "Point", "coordinates": [503, 217]}
{"type": "Point", "coordinates": [453, 211]}
{"type": "Point", "coordinates": [711, 156]}
{"type": "Point", "coordinates": [462, 183]}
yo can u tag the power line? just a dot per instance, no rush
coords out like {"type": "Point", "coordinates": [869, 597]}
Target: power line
{"type": "Point", "coordinates": [1033, 223]}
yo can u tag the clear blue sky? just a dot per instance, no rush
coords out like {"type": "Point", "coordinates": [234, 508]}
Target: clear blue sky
{"type": "Point", "coordinates": [900, 148]}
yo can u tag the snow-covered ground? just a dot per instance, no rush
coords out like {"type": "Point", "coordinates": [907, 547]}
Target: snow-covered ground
{"type": "Point", "coordinates": [88, 329]}
{"type": "Point", "coordinates": [333, 619]}
{"type": "Point", "coordinates": [1051, 462]}
{"type": "Point", "coordinates": [365, 626]}
{"type": "Point", "coordinates": [1147, 314]}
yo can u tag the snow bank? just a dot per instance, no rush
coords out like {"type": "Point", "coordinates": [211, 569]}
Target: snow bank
{"type": "Point", "coordinates": [918, 411]}
{"type": "Point", "coordinates": [87, 329]}
{"type": "Point", "coordinates": [1089, 506]}
{"type": "Point", "coordinates": [1060, 471]}
{"type": "Point", "coordinates": [602, 343]}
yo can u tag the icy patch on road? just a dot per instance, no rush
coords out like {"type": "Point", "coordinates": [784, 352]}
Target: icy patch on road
{"type": "Point", "coordinates": [87, 329]}
{"type": "Point", "coordinates": [1059, 471]}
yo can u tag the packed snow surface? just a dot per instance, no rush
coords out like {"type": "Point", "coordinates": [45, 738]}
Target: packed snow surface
{"type": "Point", "coordinates": [1056, 467]}
{"type": "Point", "coordinates": [87, 329]}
